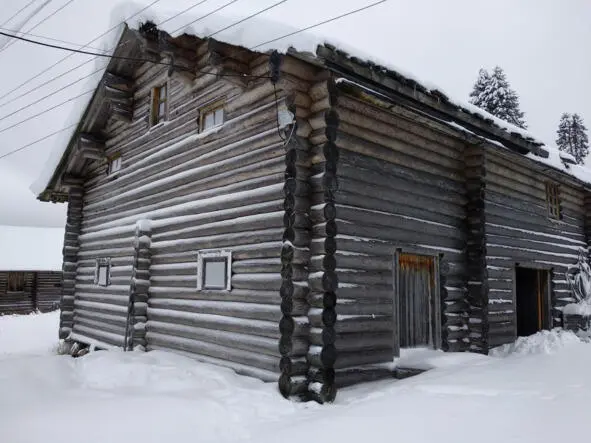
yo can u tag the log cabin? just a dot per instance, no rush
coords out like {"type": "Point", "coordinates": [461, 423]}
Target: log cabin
{"type": "Point", "coordinates": [303, 216]}
{"type": "Point", "coordinates": [30, 269]}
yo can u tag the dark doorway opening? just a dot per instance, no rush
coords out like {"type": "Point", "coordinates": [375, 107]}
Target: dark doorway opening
{"type": "Point", "coordinates": [532, 300]}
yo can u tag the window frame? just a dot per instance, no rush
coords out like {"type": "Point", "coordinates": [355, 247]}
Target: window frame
{"type": "Point", "coordinates": [553, 201]}
{"type": "Point", "coordinates": [20, 276]}
{"type": "Point", "coordinates": [102, 263]}
{"type": "Point", "coordinates": [111, 161]}
{"type": "Point", "coordinates": [156, 101]}
{"type": "Point", "coordinates": [214, 256]}
{"type": "Point", "coordinates": [212, 108]}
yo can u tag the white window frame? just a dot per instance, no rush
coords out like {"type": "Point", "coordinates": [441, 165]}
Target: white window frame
{"type": "Point", "coordinates": [202, 258]}
{"type": "Point", "coordinates": [100, 263]}
{"type": "Point", "coordinates": [215, 109]}
{"type": "Point", "coordinates": [114, 164]}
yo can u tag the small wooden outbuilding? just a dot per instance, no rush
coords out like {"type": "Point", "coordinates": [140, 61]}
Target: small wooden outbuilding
{"type": "Point", "coordinates": [30, 269]}
{"type": "Point", "coordinates": [302, 217]}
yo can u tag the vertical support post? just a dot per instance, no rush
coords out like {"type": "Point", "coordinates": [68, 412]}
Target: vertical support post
{"type": "Point", "coordinates": [475, 159]}
{"type": "Point", "coordinates": [70, 260]}
{"type": "Point", "coordinates": [34, 291]}
{"type": "Point", "coordinates": [137, 307]}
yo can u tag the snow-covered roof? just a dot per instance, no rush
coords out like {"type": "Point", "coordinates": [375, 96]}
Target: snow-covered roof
{"type": "Point", "coordinates": [262, 35]}
{"type": "Point", "coordinates": [30, 249]}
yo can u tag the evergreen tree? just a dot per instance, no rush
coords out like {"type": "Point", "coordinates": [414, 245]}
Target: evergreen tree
{"type": "Point", "coordinates": [572, 136]}
{"type": "Point", "coordinates": [493, 93]}
{"type": "Point", "coordinates": [563, 133]}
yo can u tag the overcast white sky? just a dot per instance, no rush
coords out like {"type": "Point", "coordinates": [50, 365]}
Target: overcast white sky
{"type": "Point", "coordinates": [543, 45]}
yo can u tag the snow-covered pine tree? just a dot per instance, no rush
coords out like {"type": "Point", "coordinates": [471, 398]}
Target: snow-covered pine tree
{"type": "Point", "coordinates": [563, 133]}
{"type": "Point", "coordinates": [493, 93]}
{"type": "Point", "coordinates": [572, 136]}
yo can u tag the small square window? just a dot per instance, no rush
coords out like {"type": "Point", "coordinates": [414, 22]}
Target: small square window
{"type": "Point", "coordinates": [114, 164]}
{"type": "Point", "coordinates": [214, 270]}
{"type": "Point", "coordinates": [102, 274]}
{"type": "Point", "coordinates": [159, 106]}
{"type": "Point", "coordinates": [553, 201]}
{"type": "Point", "coordinates": [211, 117]}
{"type": "Point", "coordinates": [16, 281]}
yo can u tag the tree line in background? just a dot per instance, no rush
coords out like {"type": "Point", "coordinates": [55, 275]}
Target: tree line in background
{"type": "Point", "coordinates": [493, 93]}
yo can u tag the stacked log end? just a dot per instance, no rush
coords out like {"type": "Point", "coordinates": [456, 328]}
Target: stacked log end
{"type": "Point", "coordinates": [323, 281]}
{"type": "Point", "coordinates": [293, 326]}
{"type": "Point", "coordinates": [294, 261]}
{"type": "Point", "coordinates": [476, 249]}
{"type": "Point", "coordinates": [135, 332]}
{"type": "Point", "coordinates": [70, 260]}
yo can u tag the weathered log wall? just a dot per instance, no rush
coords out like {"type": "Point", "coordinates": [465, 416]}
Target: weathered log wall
{"type": "Point", "coordinates": [22, 302]}
{"type": "Point", "coordinates": [41, 292]}
{"type": "Point", "coordinates": [519, 230]}
{"type": "Point", "coordinates": [401, 185]}
{"type": "Point", "coordinates": [48, 286]}
{"type": "Point", "coordinates": [222, 189]}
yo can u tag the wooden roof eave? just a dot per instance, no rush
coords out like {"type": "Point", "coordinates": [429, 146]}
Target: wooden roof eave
{"type": "Point", "coordinates": [470, 138]}
{"type": "Point", "coordinates": [409, 93]}
{"type": "Point", "coordinates": [70, 164]}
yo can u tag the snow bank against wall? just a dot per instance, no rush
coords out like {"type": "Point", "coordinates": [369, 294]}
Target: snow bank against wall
{"type": "Point", "coordinates": [543, 342]}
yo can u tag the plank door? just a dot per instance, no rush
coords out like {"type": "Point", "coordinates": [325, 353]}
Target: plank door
{"type": "Point", "coordinates": [416, 301]}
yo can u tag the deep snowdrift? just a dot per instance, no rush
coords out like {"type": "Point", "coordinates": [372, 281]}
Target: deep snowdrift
{"type": "Point", "coordinates": [543, 342]}
{"type": "Point", "coordinates": [538, 393]}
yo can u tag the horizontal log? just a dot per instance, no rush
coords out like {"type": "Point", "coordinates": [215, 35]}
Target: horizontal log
{"type": "Point", "coordinates": [244, 357]}
{"type": "Point", "coordinates": [216, 322]}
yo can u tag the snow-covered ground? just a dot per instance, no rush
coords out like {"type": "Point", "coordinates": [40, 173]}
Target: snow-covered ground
{"type": "Point", "coordinates": [537, 390]}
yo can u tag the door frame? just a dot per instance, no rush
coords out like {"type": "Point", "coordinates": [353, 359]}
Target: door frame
{"type": "Point", "coordinates": [436, 312]}
{"type": "Point", "coordinates": [547, 302]}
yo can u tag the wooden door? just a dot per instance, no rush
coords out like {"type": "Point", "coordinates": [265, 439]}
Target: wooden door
{"type": "Point", "coordinates": [416, 301]}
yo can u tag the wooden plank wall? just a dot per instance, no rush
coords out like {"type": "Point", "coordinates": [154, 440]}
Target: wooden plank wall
{"type": "Point", "coordinates": [220, 189]}
{"type": "Point", "coordinates": [400, 185]}
{"type": "Point", "coordinates": [41, 292]}
{"type": "Point", "coordinates": [49, 290]}
{"type": "Point", "coordinates": [17, 302]}
{"type": "Point", "coordinates": [518, 229]}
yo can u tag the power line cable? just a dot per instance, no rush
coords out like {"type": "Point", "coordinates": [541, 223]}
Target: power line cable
{"type": "Point", "coordinates": [159, 24]}
{"type": "Point", "coordinates": [45, 111]}
{"type": "Point", "coordinates": [40, 23]}
{"type": "Point", "coordinates": [225, 5]}
{"type": "Point", "coordinates": [355, 11]}
{"type": "Point", "coordinates": [39, 74]}
{"type": "Point", "coordinates": [51, 39]}
{"type": "Point", "coordinates": [17, 13]}
{"type": "Point", "coordinates": [307, 28]}
{"type": "Point", "coordinates": [246, 49]}
{"type": "Point", "coordinates": [94, 72]}
{"type": "Point", "coordinates": [246, 18]}
{"type": "Point", "coordinates": [39, 140]}
{"type": "Point", "coordinates": [122, 57]}
{"type": "Point", "coordinates": [182, 12]}
{"type": "Point", "coordinates": [51, 80]}
{"type": "Point", "coordinates": [51, 94]}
